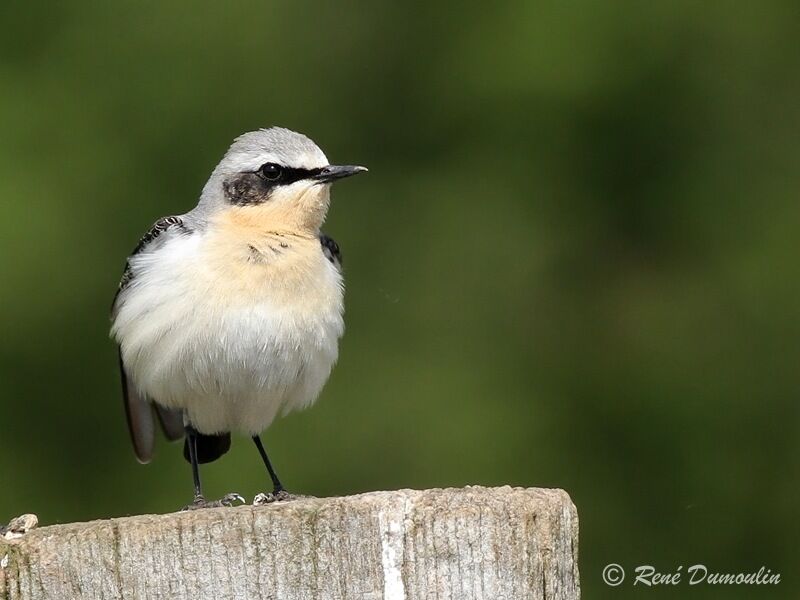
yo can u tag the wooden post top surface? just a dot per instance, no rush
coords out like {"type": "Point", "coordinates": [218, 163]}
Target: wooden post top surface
{"type": "Point", "coordinates": [494, 543]}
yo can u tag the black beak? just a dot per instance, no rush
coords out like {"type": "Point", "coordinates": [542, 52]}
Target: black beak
{"type": "Point", "coordinates": [331, 172]}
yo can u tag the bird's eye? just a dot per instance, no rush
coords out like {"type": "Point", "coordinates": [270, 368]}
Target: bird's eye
{"type": "Point", "coordinates": [271, 171]}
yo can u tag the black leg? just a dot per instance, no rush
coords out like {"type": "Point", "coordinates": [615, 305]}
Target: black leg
{"type": "Point", "coordinates": [199, 501]}
{"type": "Point", "coordinates": [276, 483]}
{"type": "Point", "coordinates": [191, 438]}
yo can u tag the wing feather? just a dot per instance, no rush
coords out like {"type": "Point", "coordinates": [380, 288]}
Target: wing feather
{"type": "Point", "coordinates": [331, 250]}
{"type": "Point", "coordinates": [159, 227]}
{"type": "Point", "coordinates": [138, 408]}
{"type": "Point", "coordinates": [171, 422]}
{"type": "Point", "coordinates": [139, 413]}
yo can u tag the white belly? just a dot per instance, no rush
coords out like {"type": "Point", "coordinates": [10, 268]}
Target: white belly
{"type": "Point", "coordinates": [233, 346]}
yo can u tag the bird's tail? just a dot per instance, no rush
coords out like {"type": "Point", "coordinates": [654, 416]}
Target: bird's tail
{"type": "Point", "coordinates": [209, 447]}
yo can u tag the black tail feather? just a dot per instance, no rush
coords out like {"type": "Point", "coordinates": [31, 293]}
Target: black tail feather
{"type": "Point", "coordinates": [209, 447]}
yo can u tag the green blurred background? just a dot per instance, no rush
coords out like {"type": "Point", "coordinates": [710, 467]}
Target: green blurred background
{"type": "Point", "coordinates": [574, 262]}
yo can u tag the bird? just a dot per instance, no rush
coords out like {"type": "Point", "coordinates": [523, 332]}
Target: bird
{"type": "Point", "coordinates": [230, 315]}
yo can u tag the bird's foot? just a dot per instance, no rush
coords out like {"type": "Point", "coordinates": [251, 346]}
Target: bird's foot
{"type": "Point", "coordinates": [226, 500]}
{"type": "Point", "coordinates": [276, 496]}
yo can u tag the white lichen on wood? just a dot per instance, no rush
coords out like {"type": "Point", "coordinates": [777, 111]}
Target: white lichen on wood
{"type": "Point", "coordinates": [18, 527]}
{"type": "Point", "coordinates": [484, 543]}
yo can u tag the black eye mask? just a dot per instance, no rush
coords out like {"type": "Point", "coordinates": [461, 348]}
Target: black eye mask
{"type": "Point", "coordinates": [280, 175]}
{"type": "Point", "coordinates": [256, 187]}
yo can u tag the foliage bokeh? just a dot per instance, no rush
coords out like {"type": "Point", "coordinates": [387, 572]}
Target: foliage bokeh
{"type": "Point", "coordinates": [574, 261]}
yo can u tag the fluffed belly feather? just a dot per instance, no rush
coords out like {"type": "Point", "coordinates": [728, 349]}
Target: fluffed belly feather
{"type": "Point", "coordinates": [233, 366]}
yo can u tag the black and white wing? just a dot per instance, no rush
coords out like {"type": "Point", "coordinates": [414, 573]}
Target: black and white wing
{"type": "Point", "coordinates": [331, 250]}
{"type": "Point", "coordinates": [138, 408]}
{"type": "Point", "coordinates": [147, 242]}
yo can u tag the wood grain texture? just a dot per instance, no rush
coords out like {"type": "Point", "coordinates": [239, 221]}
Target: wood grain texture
{"type": "Point", "coordinates": [484, 543]}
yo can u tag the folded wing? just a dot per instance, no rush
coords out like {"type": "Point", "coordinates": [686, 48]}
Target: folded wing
{"type": "Point", "coordinates": [138, 408]}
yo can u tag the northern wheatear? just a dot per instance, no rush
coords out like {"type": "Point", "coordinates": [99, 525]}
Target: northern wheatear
{"type": "Point", "coordinates": [231, 313]}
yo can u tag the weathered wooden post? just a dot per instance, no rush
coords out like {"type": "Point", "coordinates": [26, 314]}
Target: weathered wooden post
{"type": "Point", "coordinates": [486, 543]}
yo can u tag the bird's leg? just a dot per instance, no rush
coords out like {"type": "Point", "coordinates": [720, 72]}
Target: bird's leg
{"type": "Point", "coordinates": [199, 500]}
{"type": "Point", "coordinates": [191, 436]}
{"type": "Point", "coordinates": [278, 493]}
{"type": "Point", "coordinates": [277, 487]}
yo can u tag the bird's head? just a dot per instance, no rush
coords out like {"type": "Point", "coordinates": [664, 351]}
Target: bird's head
{"type": "Point", "coordinates": [274, 176]}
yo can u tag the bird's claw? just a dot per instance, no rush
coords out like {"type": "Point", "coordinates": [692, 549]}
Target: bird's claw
{"type": "Point", "coordinates": [279, 496]}
{"type": "Point", "coordinates": [232, 499]}
{"type": "Point", "coordinates": [227, 500]}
